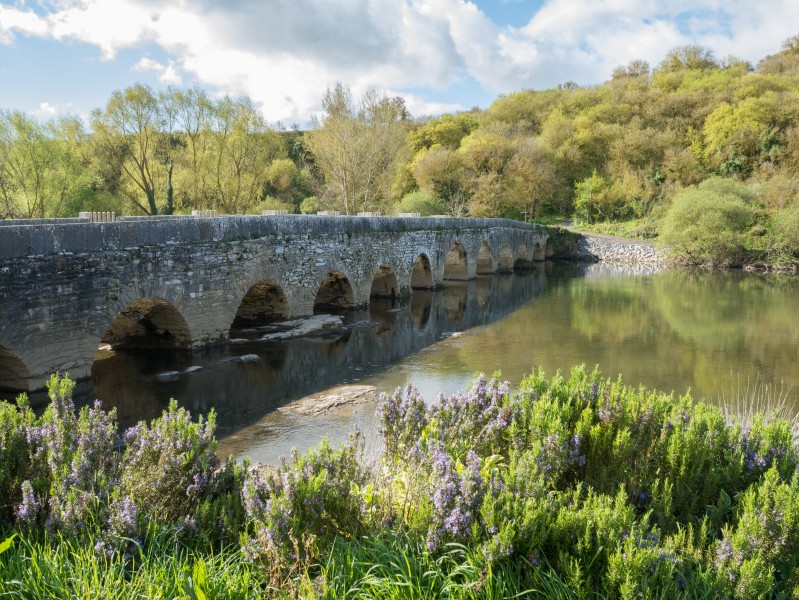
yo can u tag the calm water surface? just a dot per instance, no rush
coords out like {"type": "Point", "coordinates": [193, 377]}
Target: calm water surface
{"type": "Point", "coordinates": [711, 333]}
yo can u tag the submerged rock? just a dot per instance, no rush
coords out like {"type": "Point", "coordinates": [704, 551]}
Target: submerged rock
{"type": "Point", "coordinates": [332, 399]}
{"type": "Point", "coordinates": [244, 358]}
{"type": "Point", "coordinates": [168, 376]}
{"type": "Point", "coordinates": [316, 325]}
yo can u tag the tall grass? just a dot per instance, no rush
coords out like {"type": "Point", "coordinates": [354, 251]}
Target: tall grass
{"type": "Point", "coordinates": [747, 400]}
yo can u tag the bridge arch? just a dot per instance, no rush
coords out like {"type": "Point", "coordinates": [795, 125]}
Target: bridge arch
{"type": "Point", "coordinates": [421, 273]}
{"type": "Point", "coordinates": [485, 261]}
{"type": "Point", "coordinates": [539, 252]}
{"type": "Point", "coordinates": [384, 283]}
{"type": "Point", "coordinates": [505, 260]}
{"type": "Point", "coordinates": [14, 374]}
{"type": "Point", "coordinates": [456, 264]}
{"type": "Point", "coordinates": [150, 322]}
{"type": "Point", "coordinates": [265, 302]}
{"type": "Point", "coordinates": [334, 292]}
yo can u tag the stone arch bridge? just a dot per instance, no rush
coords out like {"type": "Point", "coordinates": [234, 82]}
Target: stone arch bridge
{"type": "Point", "coordinates": [69, 286]}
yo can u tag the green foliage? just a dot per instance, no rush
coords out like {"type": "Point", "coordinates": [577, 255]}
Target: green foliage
{"type": "Point", "coordinates": [420, 202]}
{"type": "Point", "coordinates": [568, 487]}
{"type": "Point", "coordinates": [309, 205]}
{"type": "Point", "coordinates": [784, 236]}
{"type": "Point", "coordinates": [169, 463]}
{"type": "Point", "coordinates": [597, 198]}
{"type": "Point", "coordinates": [707, 223]}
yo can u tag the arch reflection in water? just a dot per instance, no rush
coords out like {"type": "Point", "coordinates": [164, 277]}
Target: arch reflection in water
{"type": "Point", "coordinates": [242, 382]}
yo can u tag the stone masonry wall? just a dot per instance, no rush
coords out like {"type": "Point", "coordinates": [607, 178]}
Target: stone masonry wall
{"type": "Point", "coordinates": [619, 251]}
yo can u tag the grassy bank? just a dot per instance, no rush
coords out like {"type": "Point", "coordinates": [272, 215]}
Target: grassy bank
{"type": "Point", "coordinates": [574, 488]}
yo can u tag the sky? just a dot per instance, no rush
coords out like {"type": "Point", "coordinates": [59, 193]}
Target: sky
{"type": "Point", "coordinates": [68, 56]}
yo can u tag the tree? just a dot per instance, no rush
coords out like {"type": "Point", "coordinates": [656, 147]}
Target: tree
{"type": "Point", "coordinates": [439, 172]}
{"type": "Point", "coordinates": [129, 132]}
{"type": "Point", "coordinates": [243, 147]}
{"type": "Point", "coordinates": [531, 178]}
{"type": "Point", "coordinates": [356, 147]}
{"type": "Point", "coordinates": [39, 165]}
{"type": "Point", "coordinates": [707, 223]}
{"type": "Point", "coordinates": [194, 115]}
{"type": "Point", "coordinates": [691, 56]}
{"type": "Point", "coordinates": [635, 68]}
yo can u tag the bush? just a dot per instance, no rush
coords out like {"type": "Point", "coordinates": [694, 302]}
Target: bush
{"type": "Point", "coordinates": [597, 198]}
{"type": "Point", "coordinates": [169, 464]}
{"type": "Point", "coordinates": [707, 223]}
{"type": "Point", "coordinates": [784, 236]}
{"type": "Point", "coordinates": [421, 202]}
{"type": "Point", "coordinates": [303, 506]}
{"type": "Point", "coordinates": [309, 205]}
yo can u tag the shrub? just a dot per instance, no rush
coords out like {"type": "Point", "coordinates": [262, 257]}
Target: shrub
{"type": "Point", "coordinates": [309, 205]}
{"type": "Point", "coordinates": [707, 223]}
{"type": "Point", "coordinates": [305, 505]}
{"type": "Point", "coordinates": [421, 202]}
{"type": "Point", "coordinates": [784, 235]}
{"type": "Point", "coordinates": [169, 464]}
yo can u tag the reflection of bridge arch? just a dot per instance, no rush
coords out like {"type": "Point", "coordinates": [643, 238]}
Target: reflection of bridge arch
{"type": "Point", "coordinates": [149, 322]}
{"type": "Point", "coordinates": [13, 372]}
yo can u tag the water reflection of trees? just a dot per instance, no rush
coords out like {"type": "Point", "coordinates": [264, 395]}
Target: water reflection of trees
{"type": "Point", "coordinates": [695, 329]}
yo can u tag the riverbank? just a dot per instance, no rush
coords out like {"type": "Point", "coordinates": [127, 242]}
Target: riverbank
{"type": "Point", "coordinates": [559, 487]}
{"type": "Point", "coordinates": [605, 248]}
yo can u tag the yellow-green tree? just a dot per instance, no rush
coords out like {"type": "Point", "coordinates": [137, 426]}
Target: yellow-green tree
{"type": "Point", "coordinates": [40, 165]}
{"type": "Point", "coordinates": [356, 147]}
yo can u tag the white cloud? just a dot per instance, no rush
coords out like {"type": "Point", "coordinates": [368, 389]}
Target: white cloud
{"type": "Point", "coordinates": [46, 110]}
{"type": "Point", "coordinates": [285, 53]}
{"type": "Point", "coordinates": [167, 74]}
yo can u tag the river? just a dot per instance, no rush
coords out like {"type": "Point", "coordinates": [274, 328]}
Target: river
{"type": "Point", "coordinates": [718, 334]}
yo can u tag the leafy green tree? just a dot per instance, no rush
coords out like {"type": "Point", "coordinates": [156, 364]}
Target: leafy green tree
{"type": "Point", "coordinates": [40, 165]}
{"type": "Point", "coordinates": [690, 56]}
{"type": "Point", "coordinates": [356, 147]}
{"type": "Point", "coordinates": [440, 173]}
{"type": "Point", "coordinates": [420, 202]}
{"type": "Point", "coordinates": [446, 131]}
{"type": "Point", "coordinates": [128, 134]}
{"type": "Point", "coordinates": [194, 118]}
{"type": "Point", "coordinates": [784, 236]}
{"type": "Point", "coordinates": [635, 68]}
{"type": "Point", "coordinates": [531, 179]}
{"type": "Point", "coordinates": [598, 198]}
{"type": "Point", "coordinates": [707, 223]}
{"type": "Point", "coordinates": [243, 147]}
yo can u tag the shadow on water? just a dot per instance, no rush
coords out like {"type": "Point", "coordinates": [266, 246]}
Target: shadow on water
{"type": "Point", "coordinates": [242, 382]}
